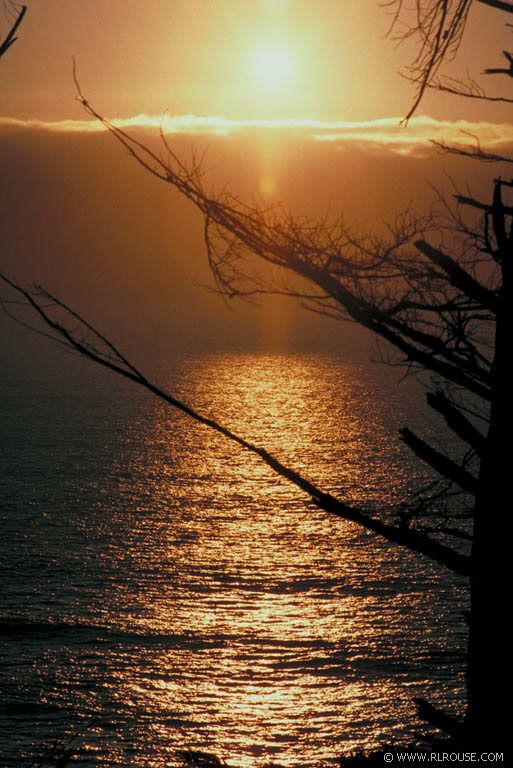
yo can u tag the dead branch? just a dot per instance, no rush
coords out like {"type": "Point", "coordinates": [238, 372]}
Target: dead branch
{"type": "Point", "coordinates": [78, 335]}
{"type": "Point", "coordinates": [11, 38]}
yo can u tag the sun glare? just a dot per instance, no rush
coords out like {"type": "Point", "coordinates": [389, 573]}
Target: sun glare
{"type": "Point", "coordinates": [272, 67]}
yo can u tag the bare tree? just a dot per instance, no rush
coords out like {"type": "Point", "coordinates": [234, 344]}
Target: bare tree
{"type": "Point", "coordinates": [437, 291]}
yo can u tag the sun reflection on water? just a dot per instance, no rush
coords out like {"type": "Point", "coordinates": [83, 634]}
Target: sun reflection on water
{"type": "Point", "coordinates": [301, 617]}
{"type": "Point", "coordinates": [233, 616]}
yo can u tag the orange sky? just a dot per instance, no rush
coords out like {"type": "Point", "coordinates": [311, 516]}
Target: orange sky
{"type": "Point", "coordinates": [84, 220]}
{"type": "Point", "coordinates": [195, 57]}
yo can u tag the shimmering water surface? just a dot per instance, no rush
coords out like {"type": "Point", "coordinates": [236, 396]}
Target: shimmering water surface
{"type": "Point", "coordinates": [162, 589]}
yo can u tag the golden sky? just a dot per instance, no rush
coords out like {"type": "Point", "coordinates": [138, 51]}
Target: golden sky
{"type": "Point", "coordinates": [325, 60]}
{"type": "Point", "coordinates": [308, 94]}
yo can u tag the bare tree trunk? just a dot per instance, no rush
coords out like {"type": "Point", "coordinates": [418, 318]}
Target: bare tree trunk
{"type": "Point", "coordinates": [488, 657]}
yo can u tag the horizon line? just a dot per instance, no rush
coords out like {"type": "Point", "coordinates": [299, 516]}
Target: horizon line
{"type": "Point", "coordinates": [421, 130]}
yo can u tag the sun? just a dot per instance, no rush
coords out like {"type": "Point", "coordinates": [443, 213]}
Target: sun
{"type": "Point", "coordinates": [272, 67]}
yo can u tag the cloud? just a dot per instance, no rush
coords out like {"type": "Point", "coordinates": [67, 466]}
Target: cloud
{"type": "Point", "coordinates": [383, 132]}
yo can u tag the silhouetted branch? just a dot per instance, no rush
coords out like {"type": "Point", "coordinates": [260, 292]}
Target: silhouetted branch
{"type": "Point", "coordinates": [440, 463]}
{"type": "Point", "coordinates": [458, 533]}
{"type": "Point", "coordinates": [346, 270]}
{"type": "Point", "coordinates": [459, 277]}
{"type": "Point", "coordinates": [11, 38]}
{"type": "Point", "coordinates": [502, 70]}
{"type": "Point", "coordinates": [486, 207]}
{"type": "Point", "coordinates": [406, 537]}
{"type": "Point", "coordinates": [468, 89]}
{"type": "Point", "coordinates": [456, 421]}
{"type": "Point", "coordinates": [85, 340]}
{"type": "Point", "coordinates": [438, 718]}
{"type": "Point", "coordinates": [439, 26]}
{"type": "Point", "coordinates": [472, 152]}
{"type": "Point", "coordinates": [499, 5]}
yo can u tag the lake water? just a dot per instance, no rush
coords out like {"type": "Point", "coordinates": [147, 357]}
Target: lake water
{"type": "Point", "coordinates": [162, 589]}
